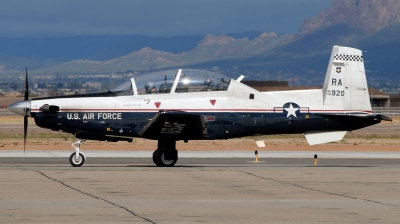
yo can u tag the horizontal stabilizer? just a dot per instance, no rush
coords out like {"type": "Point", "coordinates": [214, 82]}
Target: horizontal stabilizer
{"type": "Point", "coordinates": [383, 117]}
{"type": "Point", "coordinates": [315, 138]}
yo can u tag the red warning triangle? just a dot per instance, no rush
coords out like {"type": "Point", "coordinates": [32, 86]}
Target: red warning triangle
{"type": "Point", "coordinates": [157, 104]}
{"type": "Point", "coordinates": [213, 102]}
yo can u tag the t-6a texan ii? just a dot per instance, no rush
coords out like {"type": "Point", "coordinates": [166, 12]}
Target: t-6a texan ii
{"type": "Point", "coordinates": [185, 104]}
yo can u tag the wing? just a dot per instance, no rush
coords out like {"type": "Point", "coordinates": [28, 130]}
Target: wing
{"type": "Point", "coordinates": [175, 125]}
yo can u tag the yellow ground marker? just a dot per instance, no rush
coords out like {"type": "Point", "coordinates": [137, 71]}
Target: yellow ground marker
{"type": "Point", "coordinates": [315, 159]}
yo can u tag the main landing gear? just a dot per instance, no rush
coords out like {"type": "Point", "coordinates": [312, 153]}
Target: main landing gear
{"type": "Point", "coordinates": [77, 158]}
{"type": "Point", "coordinates": [166, 153]}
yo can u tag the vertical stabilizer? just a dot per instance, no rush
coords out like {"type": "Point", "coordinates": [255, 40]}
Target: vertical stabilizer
{"type": "Point", "coordinates": [345, 85]}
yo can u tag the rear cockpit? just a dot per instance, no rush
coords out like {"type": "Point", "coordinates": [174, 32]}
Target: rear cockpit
{"type": "Point", "coordinates": [173, 81]}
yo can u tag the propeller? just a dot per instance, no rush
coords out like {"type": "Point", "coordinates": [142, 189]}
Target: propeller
{"type": "Point", "coordinates": [26, 109]}
{"type": "Point", "coordinates": [23, 107]}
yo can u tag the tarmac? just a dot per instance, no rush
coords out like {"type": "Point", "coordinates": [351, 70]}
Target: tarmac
{"type": "Point", "coordinates": [203, 154]}
{"type": "Point", "coordinates": [203, 187]}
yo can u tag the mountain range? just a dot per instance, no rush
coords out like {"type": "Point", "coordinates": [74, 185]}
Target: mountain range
{"type": "Point", "coordinates": [370, 25]}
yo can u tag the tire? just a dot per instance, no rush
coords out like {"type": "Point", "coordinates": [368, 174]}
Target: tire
{"type": "Point", "coordinates": [76, 161]}
{"type": "Point", "coordinates": [158, 159]}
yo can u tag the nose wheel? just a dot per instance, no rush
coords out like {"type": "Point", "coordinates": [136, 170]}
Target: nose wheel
{"type": "Point", "coordinates": [76, 161]}
{"type": "Point", "coordinates": [77, 158]}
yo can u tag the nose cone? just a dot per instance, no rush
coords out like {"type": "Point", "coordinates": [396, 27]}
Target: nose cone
{"type": "Point", "coordinates": [21, 107]}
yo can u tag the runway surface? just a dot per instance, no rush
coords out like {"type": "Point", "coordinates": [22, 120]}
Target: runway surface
{"type": "Point", "coordinates": [204, 154]}
{"type": "Point", "coordinates": [198, 190]}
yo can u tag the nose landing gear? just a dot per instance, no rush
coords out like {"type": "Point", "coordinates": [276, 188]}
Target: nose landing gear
{"type": "Point", "coordinates": [77, 158]}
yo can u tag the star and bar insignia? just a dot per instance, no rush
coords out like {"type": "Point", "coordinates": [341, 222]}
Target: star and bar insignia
{"type": "Point", "coordinates": [291, 109]}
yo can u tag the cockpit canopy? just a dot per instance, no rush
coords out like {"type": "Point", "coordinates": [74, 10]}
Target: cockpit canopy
{"type": "Point", "coordinates": [181, 81]}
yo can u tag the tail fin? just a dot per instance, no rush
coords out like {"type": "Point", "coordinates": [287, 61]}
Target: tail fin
{"type": "Point", "coordinates": [345, 85]}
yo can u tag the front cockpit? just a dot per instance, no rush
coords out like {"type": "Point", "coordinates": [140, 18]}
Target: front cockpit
{"type": "Point", "coordinates": [123, 89]}
{"type": "Point", "coordinates": [172, 81]}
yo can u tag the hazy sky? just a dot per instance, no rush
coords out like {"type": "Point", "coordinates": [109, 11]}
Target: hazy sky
{"type": "Point", "coordinates": [44, 18]}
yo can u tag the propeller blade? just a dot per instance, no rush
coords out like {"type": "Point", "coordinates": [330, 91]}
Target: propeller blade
{"type": "Point", "coordinates": [26, 98]}
{"type": "Point", "coordinates": [26, 84]}
{"type": "Point", "coordinates": [25, 130]}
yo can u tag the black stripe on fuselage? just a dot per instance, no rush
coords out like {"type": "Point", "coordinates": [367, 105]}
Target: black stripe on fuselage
{"type": "Point", "coordinates": [219, 126]}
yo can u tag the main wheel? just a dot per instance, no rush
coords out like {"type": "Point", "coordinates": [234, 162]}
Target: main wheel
{"type": "Point", "coordinates": [159, 159]}
{"type": "Point", "coordinates": [76, 161]}
{"type": "Point", "coordinates": [167, 162]}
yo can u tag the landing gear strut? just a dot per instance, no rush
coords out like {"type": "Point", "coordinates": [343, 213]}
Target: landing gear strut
{"type": "Point", "coordinates": [166, 153]}
{"type": "Point", "coordinates": [77, 158]}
